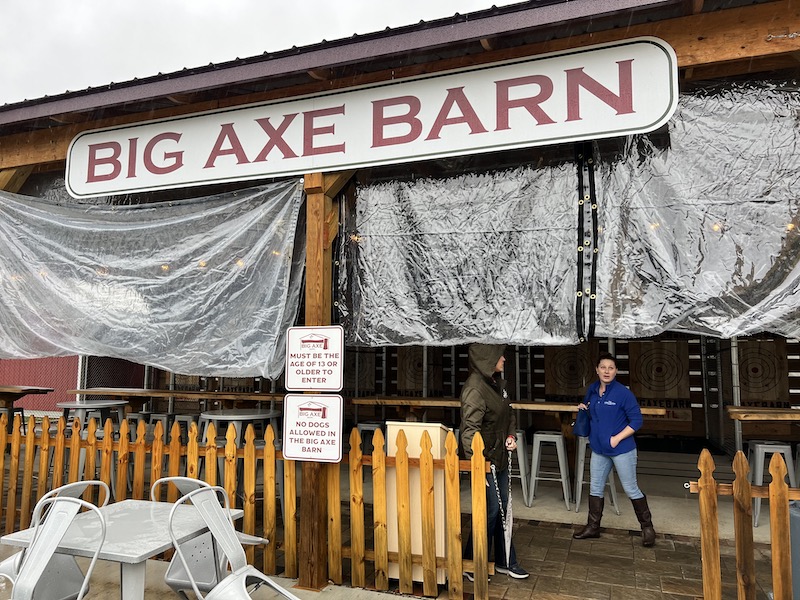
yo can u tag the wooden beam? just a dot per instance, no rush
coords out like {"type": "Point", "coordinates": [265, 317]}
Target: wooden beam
{"type": "Point", "coordinates": [181, 98]}
{"type": "Point", "coordinates": [70, 118]}
{"type": "Point", "coordinates": [12, 180]}
{"type": "Point", "coordinates": [695, 7]}
{"type": "Point", "coordinates": [739, 34]}
{"type": "Point", "coordinates": [321, 227]}
{"type": "Point", "coordinates": [331, 225]}
{"type": "Point", "coordinates": [334, 182]}
{"type": "Point", "coordinates": [741, 67]}
{"type": "Point", "coordinates": [320, 74]}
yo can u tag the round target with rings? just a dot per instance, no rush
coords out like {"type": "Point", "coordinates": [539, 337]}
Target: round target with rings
{"type": "Point", "coordinates": [659, 371]}
{"type": "Point", "coordinates": [758, 370]}
{"type": "Point", "coordinates": [571, 371]}
{"type": "Point", "coordinates": [410, 368]}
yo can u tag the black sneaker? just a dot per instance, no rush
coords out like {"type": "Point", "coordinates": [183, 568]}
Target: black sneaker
{"type": "Point", "coordinates": [515, 571]}
{"type": "Point", "coordinates": [471, 576]}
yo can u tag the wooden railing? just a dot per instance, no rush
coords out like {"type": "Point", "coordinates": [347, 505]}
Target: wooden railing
{"type": "Point", "coordinates": [779, 495]}
{"type": "Point", "coordinates": [129, 467]}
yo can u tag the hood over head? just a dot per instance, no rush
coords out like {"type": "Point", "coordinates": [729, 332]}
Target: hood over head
{"type": "Point", "coordinates": [483, 357]}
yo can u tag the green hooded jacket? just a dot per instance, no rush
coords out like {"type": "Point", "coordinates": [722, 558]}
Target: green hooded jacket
{"type": "Point", "coordinates": [485, 406]}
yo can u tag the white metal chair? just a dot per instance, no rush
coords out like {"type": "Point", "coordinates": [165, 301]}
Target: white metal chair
{"type": "Point", "coordinates": [34, 579]}
{"type": "Point", "coordinates": [237, 583]}
{"type": "Point", "coordinates": [204, 558]}
{"type": "Point", "coordinates": [63, 578]}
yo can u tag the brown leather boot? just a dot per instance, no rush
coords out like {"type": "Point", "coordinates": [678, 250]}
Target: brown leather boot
{"type": "Point", "coordinates": [642, 511]}
{"type": "Point", "coordinates": [592, 529]}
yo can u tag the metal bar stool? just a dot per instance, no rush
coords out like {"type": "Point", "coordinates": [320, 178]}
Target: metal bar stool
{"type": "Point", "coordinates": [553, 437]}
{"type": "Point", "coordinates": [522, 466]}
{"type": "Point", "coordinates": [580, 459]}
{"type": "Point", "coordinates": [366, 430]}
{"type": "Point", "coordinates": [797, 465]}
{"type": "Point", "coordinates": [14, 410]}
{"type": "Point", "coordinates": [757, 451]}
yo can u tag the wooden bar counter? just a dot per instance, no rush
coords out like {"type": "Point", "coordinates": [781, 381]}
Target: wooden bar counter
{"type": "Point", "coordinates": [138, 396]}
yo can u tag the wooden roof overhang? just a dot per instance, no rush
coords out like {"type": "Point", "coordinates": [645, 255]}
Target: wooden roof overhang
{"type": "Point", "coordinates": [712, 39]}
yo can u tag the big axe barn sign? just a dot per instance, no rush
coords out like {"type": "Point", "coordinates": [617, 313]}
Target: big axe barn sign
{"type": "Point", "coordinates": [594, 92]}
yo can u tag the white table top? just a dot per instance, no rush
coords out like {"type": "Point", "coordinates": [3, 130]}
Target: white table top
{"type": "Point", "coordinates": [135, 531]}
{"type": "Point", "coordinates": [241, 414]}
{"type": "Point", "coordinates": [91, 404]}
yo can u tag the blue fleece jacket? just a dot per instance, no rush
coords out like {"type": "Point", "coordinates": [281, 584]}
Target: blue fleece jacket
{"type": "Point", "coordinates": [610, 414]}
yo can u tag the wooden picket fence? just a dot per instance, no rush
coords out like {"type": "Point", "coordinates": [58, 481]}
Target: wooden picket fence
{"type": "Point", "coordinates": [129, 464]}
{"type": "Point", "coordinates": [779, 494]}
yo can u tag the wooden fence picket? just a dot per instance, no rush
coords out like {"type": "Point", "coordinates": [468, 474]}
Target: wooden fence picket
{"type": "Point", "coordinates": [403, 514]}
{"type": "Point", "coordinates": [743, 527]}
{"type": "Point", "coordinates": [357, 531]}
{"type": "Point", "coordinates": [13, 476]}
{"type": "Point", "coordinates": [249, 490]}
{"type": "Point", "coordinates": [25, 506]}
{"type": "Point", "coordinates": [44, 459]}
{"type": "Point", "coordinates": [290, 518]}
{"type": "Point", "coordinates": [779, 529]}
{"type": "Point", "coordinates": [428, 519]}
{"type": "Point", "coordinates": [380, 521]}
{"type": "Point", "coordinates": [709, 532]}
{"type": "Point", "coordinates": [480, 540]}
{"type": "Point", "coordinates": [452, 485]}
{"type": "Point", "coordinates": [333, 478]}
{"type": "Point", "coordinates": [270, 512]}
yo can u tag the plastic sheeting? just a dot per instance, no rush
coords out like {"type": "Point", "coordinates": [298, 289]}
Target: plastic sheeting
{"type": "Point", "coordinates": [479, 257]}
{"type": "Point", "coordinates": [697, 232]}
{"type": "Point", "coordinates": [703, 235]}
{"type": "Point", "coordinates": [204, 286]}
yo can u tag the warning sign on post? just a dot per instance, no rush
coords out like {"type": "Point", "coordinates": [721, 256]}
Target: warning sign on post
{"type": "Point", "coordinates": [315, 358]}
{"type": "Point", "coordinates": [312, 427]}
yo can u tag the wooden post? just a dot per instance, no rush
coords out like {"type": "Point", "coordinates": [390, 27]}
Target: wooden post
{"type": "Point", "coordinates": [321, 228]}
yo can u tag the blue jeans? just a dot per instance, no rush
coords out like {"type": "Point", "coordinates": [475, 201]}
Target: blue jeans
{"type": "Point", "coordinates": [495, 522]}
{"type": "Point", "coordinates": [625, 465]}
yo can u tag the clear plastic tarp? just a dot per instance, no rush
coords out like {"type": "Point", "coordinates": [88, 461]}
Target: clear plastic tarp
{"type": "Point", "coordinates": [204, 286]}
{"type": "Point", "coordinates": [702, 234]}
{"type": "Point", "coordinates": [477, 257]}
{"type": "Point", "coordinates": [697, 232]}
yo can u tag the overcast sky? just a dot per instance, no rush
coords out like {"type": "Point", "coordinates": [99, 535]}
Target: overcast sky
{"type": "Point", "coordinates": [51, 46]}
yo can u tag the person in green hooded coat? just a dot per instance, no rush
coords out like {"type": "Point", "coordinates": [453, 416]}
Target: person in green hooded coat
{"type": "Point", "coordinates": [485, 409]}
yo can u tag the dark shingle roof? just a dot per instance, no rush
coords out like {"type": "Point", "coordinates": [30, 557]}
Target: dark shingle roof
{"type": "Point", "coordinates": [426, 41]}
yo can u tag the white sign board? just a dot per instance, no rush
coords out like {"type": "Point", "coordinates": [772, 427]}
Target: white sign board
{"type": "Point", "coordinates": [620, 88]}
{"type": "Point", "coordinates": [312, 427]}
{"type": "Point", "coordinates": [315, 359]}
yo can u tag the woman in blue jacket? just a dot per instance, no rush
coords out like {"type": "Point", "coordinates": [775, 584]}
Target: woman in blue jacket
{"type": "Point", "coordinates": [615, 417]}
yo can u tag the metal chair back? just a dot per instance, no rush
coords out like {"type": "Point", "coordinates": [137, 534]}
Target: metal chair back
{"type": "Point", "coordinates": [52, 518]}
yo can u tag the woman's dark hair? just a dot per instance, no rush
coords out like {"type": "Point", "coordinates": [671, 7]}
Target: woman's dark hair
{"type": "Point", "coordinates": [606, 356]}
